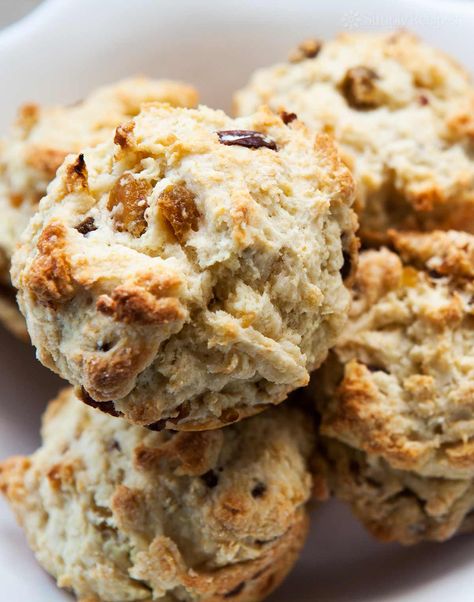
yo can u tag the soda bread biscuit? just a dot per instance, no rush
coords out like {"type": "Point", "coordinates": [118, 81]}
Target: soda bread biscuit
{"type": "Point", "coordinates": [402, 113]}
{"type": "Point", "coordinates": [116, 512]}
{"type": "Point", "coordinates": [191, 271]}
{"type": "Point", "coordinates": [400, 383]}
{"type": "Point", "coordinates": [394, 505]}
{"type": "Point", "coordinates": [40, 140]}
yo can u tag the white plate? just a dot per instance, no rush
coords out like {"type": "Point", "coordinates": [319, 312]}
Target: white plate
{"type": "Point", "coordinates": [66, 48]}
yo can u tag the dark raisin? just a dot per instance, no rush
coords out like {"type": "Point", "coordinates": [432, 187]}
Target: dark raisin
{"type": "Point", "coordinates": [259, 490]}
{"type": "Point", "coordinates": [359, 89]}
{"type": "Point", "coordinates": [211, 479]}
{"type": "Point", "coordinates": [236, 591]}
{"type": "Point", "coordinates": [247, 138]}
{"type": "Point", "coordinates": [108, 407]}
{"type": "Point", "coordinates": [434, 274]}
{"type": "Point", "coordinates": [423, 100]}
{"type": "Point", "coordinates": [159, 425]}
{"type": "Point", "coordinates": [287, 118]}
{"type": "Point", "coordinates": [86, 226]}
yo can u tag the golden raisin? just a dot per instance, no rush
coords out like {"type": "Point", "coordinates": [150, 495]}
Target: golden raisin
{"type": "Point", "coordinates": [308, 49]}
{"type": "Point", "coordinates": [128, 199]}
{"type": "Point", "coordinates": [409, 277]}
{"type": "Point", "coordinates": [177, 205]}
{"type": "Point", "coordinates": [359, 88]}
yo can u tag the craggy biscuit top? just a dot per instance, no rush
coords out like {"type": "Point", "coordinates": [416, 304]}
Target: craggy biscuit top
{"type": "Point", "coordinates": [402, 113]}
{"type": "Point", "coordinates": [400, 382]}
{"type": "Point", "coordinates": [38, 143]}
{"type": "Point", "coordinates": [42, 137]}
{"type": "Point", "coordinates": [115, 512]}
{"type": "Point", "coordinates": [191, 270]}
{"type": "Point", "coordinates": [394, 505]}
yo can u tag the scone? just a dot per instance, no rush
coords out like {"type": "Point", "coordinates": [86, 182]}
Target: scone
{"type": "Point", "coordinates": [191, 271]}
{"type": "Point", "coordinates": [116, 512]}
{"type": "Point", "coordinates": [399, 385]}
{"type": "Point", "coordinates": [394, 505]}
{"type": "Point", "coordinates": [40, 140]}
{"type": "Point", "coordinates": [402, 113]}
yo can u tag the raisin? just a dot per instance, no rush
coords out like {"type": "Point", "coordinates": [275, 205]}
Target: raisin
{"type": "Point", "coordinates": [178, 206]}
{"type": "Point", "coordinates": [211, 479]}
{"type": "Point", "coordinates": [247, 138]}
{"type": "Point", "coordinates": [86, 226]}
{"type": "Point", "coordinates": [129, 199]}
{"type": "Point", "coordinates": [288, 118]}
{"type": "Point", "coordinates": [309, 49]}
{"type": "Point", "coordinates": [359, 88]}
{"type": "Point", "coordinates": [108, 407]}
{"type": "Point", "coordinates": [259, 490]}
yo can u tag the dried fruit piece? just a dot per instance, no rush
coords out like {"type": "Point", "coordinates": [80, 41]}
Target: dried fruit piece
{"type": "Point", "coordinates": [178, 206]}
{"type": "Point", "coordinates": [108, 407]}
{"type": "Point", "coordinates": [247, 138]}
{"type": "Point", "coordinates": [87, 225]}
{"type": "Point", "coordinates": [287, 118]}
{"type": "Point", "coordinates": [359, 88]}
{"type": "Point", "coordinates": [128, 199]}
{"type": "Point", "coordinates": [308, 49]}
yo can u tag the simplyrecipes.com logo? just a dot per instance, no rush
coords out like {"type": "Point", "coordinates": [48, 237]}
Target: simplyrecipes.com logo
{"type": "Point", "coordinates": [354, 20]}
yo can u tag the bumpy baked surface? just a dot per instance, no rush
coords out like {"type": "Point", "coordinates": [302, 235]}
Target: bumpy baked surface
{"type": "Point", "coordinates": [191, 272]}
{"type": "Point", "coordinates": [402, 113]}
{"type": "Point", "coordinates": [400, 382]}
{"type": "Point", "coordinates": [42, 137]}
{"type": "Point", "coordinates": [116, 512]}
{"type": "Point", "coordinates": [394, 505]}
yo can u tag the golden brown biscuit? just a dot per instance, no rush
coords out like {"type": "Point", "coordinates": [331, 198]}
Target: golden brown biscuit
{"type": "Point", "coordinates": [193, 272]}
{"type": "Point", "coordinates": [402, 113]}
{"type": "Point", "coordinates": [399, 384]}
{"type": "Point", "coordinates": [116, 512]}
{"type": "Point", "coordinates": [394, 505]}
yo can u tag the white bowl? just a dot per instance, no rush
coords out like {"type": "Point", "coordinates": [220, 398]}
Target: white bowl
{"type": "Point", "coordinates": [65, 48]}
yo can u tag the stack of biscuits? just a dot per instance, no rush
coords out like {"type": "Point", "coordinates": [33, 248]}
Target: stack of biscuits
{"type": "Point", "coordinates": [195, 278]}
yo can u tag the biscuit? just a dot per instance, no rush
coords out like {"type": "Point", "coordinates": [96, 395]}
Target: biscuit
{"type": "Point", "coordinates": [394, 505]}
{"type": "Point", "coordinates": [191, 271]}
{"type": "Point", "coordinates": [399, 385]}
{"type": "Point", "coordinates": [402, 113]}
{"type": "Point", "coordinates": [116, 512]}
{"type": "Point", "coordinates": [42, 137]}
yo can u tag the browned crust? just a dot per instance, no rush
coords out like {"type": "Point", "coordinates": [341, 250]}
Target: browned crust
{"type": "Point", "coordinates": [227, 417]}
{"type": "Point", "coordinates": [149, 301]}
{"type": "Point", "coordinates": [76, 179]}
{"type": "Point", "coordinates": [454, 251]}
{"type": "Point", "coordinates": [49, 278]}
{"type": "Point", "coordinates": [395, 505]}
{"type": "Point", "coordinates": [105, 375]}
{"type": "Point", "coordinates": [187, 453]}
{"type": "Point", "coordinates": [355, 417]}
{"type": "Point", "coordinates": [249, 581]}
{"type": "Point", "coordinates": [124, 135]}
{"type": "Point", "coordinates": [339, 177]}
